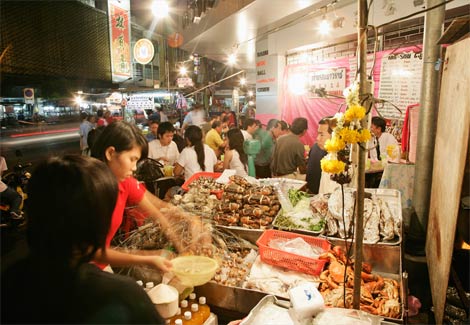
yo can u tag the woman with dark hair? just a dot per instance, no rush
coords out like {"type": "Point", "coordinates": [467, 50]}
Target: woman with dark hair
{"type": "Point", "coordinates": [68, 223]}
{"type": "Point", "coordinates": [196, 157]}
{"type": "Point", "coordinates": [164, 149]}
{"type": "Point", "coordinates": [121, 145]}
{"type": "Point", "coordinates": [235, 157]}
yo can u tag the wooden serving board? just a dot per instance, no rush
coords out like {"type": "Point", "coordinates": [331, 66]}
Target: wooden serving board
{"type": "Point", "coordinates": [449, 161]}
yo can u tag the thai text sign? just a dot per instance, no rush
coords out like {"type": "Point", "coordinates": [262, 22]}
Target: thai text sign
{"type": "Point", "coordinates": [332, 80]}
{"type": "Point", "coordinates": [119, 22]}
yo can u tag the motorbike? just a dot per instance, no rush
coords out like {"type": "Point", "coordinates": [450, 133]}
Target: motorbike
{"type": "Point", "coordinates": [18, 180]}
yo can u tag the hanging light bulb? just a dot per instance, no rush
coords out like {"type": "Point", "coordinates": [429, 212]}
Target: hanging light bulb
{"type": "Point", "coordinates": [232, 59]}
{"type": "Point", "coordinates": [183, 71]}
{"type": "Point", "coordinates": [242, 81]}
{"type": "Point", "coordinates": [325, 26]}
{"type": "Point", "coordinates": [160, 9]}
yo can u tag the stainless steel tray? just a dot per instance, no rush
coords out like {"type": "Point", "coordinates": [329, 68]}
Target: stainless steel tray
{"type": "Point", "coordinates": [384, 259]}
{"type": "Point", "coordinates": [275, 305]}
{"type": "Point", "coordinates": [393, 199]}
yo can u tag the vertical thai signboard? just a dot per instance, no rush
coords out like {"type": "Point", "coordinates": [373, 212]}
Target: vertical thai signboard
{"type": "Point", "coordinates": [120, 45]}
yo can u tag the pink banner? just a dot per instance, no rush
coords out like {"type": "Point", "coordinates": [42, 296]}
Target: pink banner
{"type": "Point", "coordinates": [294, 103]}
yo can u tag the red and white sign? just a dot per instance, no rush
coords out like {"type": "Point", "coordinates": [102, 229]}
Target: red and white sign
{"type": "Point", "coordinates": [28, 94]}
{"type": "Point", "coordinates": [119, 16]}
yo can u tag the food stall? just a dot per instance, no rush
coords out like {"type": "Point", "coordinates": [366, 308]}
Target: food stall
{"type": "Point", "coordinates": [249, 216]}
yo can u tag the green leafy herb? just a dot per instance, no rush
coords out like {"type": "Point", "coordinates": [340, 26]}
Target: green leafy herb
{"type": "Point", "coordinates": [296, 195]}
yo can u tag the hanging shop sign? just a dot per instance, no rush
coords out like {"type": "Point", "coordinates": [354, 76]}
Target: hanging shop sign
{"type": "Point", "coordinates": [119, 25]}
{"type": "Point", "coordinates": [140, 102]}
{"type": "Point", "coordinates": [333, 81]}
{"type": "Point", "coordinates": [28, 94]}
{"type": "Point", "coordinates": [184, 82]}
{"type": "Point", "coordinates": [400, 82]}
{"type": "Point", "coordinates": [143, 51]}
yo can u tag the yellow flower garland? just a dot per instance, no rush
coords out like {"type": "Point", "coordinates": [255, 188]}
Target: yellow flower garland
{"type": "Point", "coordinates": [332, 166]}
{"type": "Point", "coordinates": [334, 144]}
{"type": "Point", "coordinates": [348, 130]}
{"type": "Point", "coordinates": [354, 112]}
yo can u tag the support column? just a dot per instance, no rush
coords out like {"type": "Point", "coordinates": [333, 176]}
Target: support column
{"type": "Point", "coordinates": [428, 112]}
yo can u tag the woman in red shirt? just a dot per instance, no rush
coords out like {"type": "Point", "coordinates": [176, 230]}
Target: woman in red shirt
{"type": "Point", "coordinates": [121, 145]}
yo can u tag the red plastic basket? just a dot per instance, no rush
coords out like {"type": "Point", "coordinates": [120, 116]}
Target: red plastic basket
{"type": "Point", "coordinates": [288, 260]}
{"type": "Point", "coordinates": [195, 176]}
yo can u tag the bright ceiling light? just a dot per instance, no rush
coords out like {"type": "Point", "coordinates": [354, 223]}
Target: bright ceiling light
{"type": "Point", "coordinates": [297, 84]}
{"type": "Point", "coordinates": [78, 100]}
{"type": "Point", "coordinates": [232, 59]}
{"type": "Point", "coordinates": [250, 93]}
{"type": "Point", "coordinates": [324, 27]}
{"type": "Point", "coordinates": [160, 8]}
{"type": "Point", "coordinates": [242, 81]}
{"type": "Point", "coordinates": [183, 71]}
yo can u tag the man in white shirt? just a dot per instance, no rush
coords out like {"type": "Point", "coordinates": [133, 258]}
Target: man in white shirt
{"type": "Point", "coordinates": [164, 149]}
{"type": "Point", "coordinates": [249, 128]}
{"type": "Point", "coordinates": [195, 117]}
{"type": "Point", "coordinates": [381, 140]}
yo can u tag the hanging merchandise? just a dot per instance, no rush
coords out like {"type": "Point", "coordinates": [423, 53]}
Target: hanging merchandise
{"type": "Point", "coordinates": [196, 63]}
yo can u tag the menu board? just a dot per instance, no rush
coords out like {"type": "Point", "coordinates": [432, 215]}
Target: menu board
{"type": "Point", "coordinates": [400, 82]}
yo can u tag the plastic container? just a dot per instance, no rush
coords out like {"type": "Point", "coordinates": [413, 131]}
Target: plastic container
{"type": "Point", "coordinates": [194, 270]}
{"type": "Point", "coordinates": [165, 299]}
{"type": "Point", "coordinates": [288, 260]}
{"type": "Point", "coordinates": [306, 300]}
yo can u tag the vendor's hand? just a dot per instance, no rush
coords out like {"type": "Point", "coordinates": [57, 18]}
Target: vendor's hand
{"type": "Point", "coordinates": [160, 263]}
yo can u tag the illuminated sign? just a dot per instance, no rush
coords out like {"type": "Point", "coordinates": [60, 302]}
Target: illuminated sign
{"type": "Point", "coordinates": [143, 51]}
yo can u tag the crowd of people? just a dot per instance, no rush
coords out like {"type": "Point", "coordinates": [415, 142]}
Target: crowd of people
{"type": "Point", "coordinates": [70, 237]}
{"type": "Point", "coordinates": [213, 146]}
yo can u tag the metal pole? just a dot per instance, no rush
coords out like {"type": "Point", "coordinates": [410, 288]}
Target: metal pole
{"type": "Point", "coordinates": [215, 83]}
{"type": "Point", "coordinates": [428, 111]}
{"type": "Point", "coordinates": [361, 162]}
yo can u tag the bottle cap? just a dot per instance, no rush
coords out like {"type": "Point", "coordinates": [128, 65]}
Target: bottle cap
{"type": "Point", "coordinates": [179, 322]}
{"type": "Point", "coordinates": [194, 308]}
{"type": "Point", "coordinates": [192, 296]}
{"type": "Point", "coordinates": [187, 315]}
{"type": "Point", "coordinates": [202, 300]}
{"type": "Point", "coordinates": [184, 303]}
{"type": "Point", "coordinates": [139, 282]}
{"type": "Point", "coordinates": [149, 285]}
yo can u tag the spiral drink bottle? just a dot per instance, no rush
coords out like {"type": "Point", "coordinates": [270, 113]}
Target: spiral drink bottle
{"type": "Point", "coordinates": [196, 314]}
{"type": "Point", "coordinates": [204, 309]}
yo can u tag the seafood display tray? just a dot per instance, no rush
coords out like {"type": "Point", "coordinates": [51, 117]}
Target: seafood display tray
{"type": "Point", "coordinates": [250, 235]}
{"type": "Point", "coordinates": [385, 260]}
{"type": "Point", "coordinates": [391, 196]}
{"type": "Point", "coordinates": [186, 184]}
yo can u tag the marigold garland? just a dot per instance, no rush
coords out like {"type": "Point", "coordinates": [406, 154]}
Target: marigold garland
{"type": "Point", "coordinates": [334, 144]}
{"type": "Point", "coordinates": [332, 166]}
{"type": "Point", "coordinates": [354, 112]}
{"type": "Point", "coordinates": [348, 130]}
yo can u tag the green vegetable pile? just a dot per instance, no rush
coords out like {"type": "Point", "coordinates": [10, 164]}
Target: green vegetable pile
{"type": "Point", "coordinates": [296, 195]}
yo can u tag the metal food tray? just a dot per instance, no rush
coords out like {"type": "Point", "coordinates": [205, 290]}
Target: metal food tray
{"type": "Point", "coordinates": [251, 235]}
{"type": "Point", "coordinates": [385, 260]}
{"type": "Point", "coordinates": [391, 196]}
{"type": "Point", "coordinates": [270, 300]}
